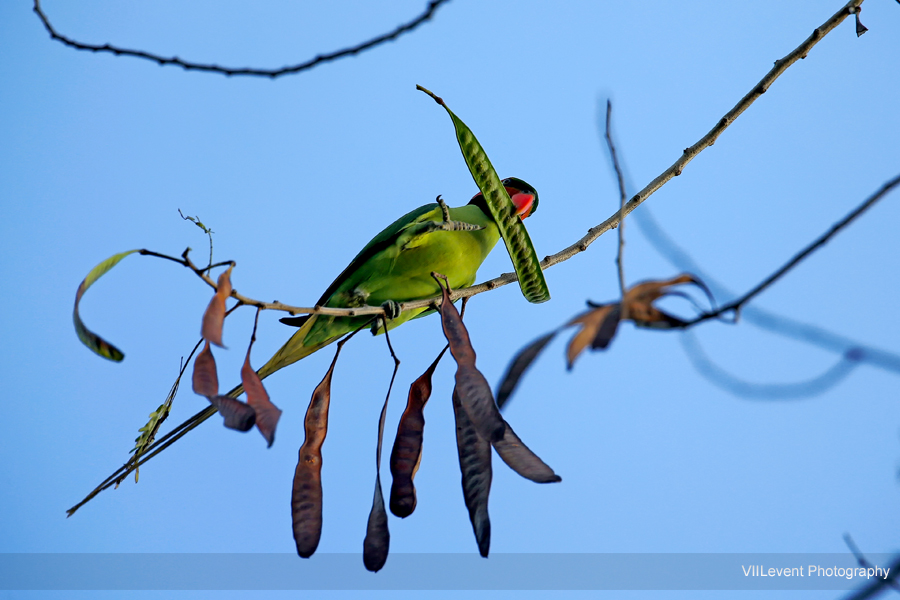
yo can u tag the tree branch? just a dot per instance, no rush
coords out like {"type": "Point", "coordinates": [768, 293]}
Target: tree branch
{"type": "Point", "coordinates": [620, 179]}
{"type": "Point", "coordinates": [804, 332]}
{"type": "Point", "coordinates": [821, 241]}
{"type": "Point", "coordinates": [880, 583]}
{"type": "Point", "coordinates": [433, 5]}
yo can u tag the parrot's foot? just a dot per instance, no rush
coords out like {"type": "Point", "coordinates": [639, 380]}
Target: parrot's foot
{"type": "Point", "coordinates": [391, 309]}
{"type": "Point", "coordinates": [450, 225]}
{"type": "Point", "coordinates": [444, 210]}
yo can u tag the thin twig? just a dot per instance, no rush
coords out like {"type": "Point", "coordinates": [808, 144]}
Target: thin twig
{"type": "Point", "coordinates": [781, 325]}
{"type": "Point", "coordinates": [819, 242]}
{"type": "Point", "coordinates": [861, 558]}
{"type": "Point", "coordinates": [196, 221]}
{"type": "Point", "coordinates": [880, 583]}
{"type": "Point", "coordinates": [203, 273]}
{"type": "Point", "coordinates": [229, 71]}
{"type": "Point", "coordinates": [140, 456]}
{"type": "Point", "coordinates": [622, 199]}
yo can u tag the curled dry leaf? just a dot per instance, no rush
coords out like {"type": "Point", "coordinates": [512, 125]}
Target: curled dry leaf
{"type": "Point", "coordinates": [519, 365]}
{"type": "Point", "coordinates": [205, 380]}
{"type": "Point", "coordinates": [598, 327]}
{"type": "Point", "coordinates": [407, 452]}
{"type": "Point", "coordinates": [306, 495]}
{"type": "Point", "coordinates": [475, 466]}
{"type": "Point", "coordinates": [238, 415]}
{"type": "Point", "coordinates": [639, 302]}
{"type": "Point", "coordinates": [214, 317]}
{"type": "Point", "coordinates": [267, 414]}
{"type": "Point", "coordinates": [90, 339]}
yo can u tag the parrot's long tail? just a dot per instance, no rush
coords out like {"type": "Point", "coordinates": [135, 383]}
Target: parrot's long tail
{"type": "Point", "coordinates": [311, 337]}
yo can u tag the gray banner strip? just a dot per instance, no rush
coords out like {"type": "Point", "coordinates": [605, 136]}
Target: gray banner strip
{"type": "Point", "coordinates": [442, 572]}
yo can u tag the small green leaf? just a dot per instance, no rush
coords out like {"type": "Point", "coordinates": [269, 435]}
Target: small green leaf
{"type": "Point", "coordinates": [515, 236]}
{"type": "Point", "coordinates": [88, 337]}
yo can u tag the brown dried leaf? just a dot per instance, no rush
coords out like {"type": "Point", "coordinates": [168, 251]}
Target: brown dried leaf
{"type": "Point", "coordinates": [205, 380]}
{"type": "Point", "coordinates": [639, 302]}
{"type": "Point", "coordinates": [522, 460]}
{"type": "Point", "coordinates": [238, 415]}
{"type": "Point", "coordinates": [267, 414]}
{"type": "Point", "coordinates": [474, 390]}
{"type": "Point", "coordinates": [598, 326]}
{"type": "Point", "coordinates": [519, 365]}
{"type": "Point", "coordinates": [214, 317]}
{"type": "Point", "coordinates": [475, 465]}
{"type": "Point", "coordinates": [407, 451]}
{"type": "Point", "coordinates": [306, 495]}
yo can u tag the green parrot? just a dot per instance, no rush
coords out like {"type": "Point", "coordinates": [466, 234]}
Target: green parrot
{"type": "Point", "coordinates": [396, 267]}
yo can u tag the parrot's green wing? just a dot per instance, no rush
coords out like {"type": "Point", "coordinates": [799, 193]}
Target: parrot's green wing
{"type": "Point", "coordinates": [387, 238]}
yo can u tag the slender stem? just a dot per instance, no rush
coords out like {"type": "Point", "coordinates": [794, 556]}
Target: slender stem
{"type": "Point", "coordinates": [611, 146]}
{"type": "Point", "coordinates": [229, 71]}
{"type": "Point", "coordinates": [815, 245]}
{"type": "Point", "coordinates": [863, 562]}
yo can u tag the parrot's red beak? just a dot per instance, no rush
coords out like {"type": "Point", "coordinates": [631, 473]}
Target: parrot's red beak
{"type": "Point", "coordinates": [523, 202]}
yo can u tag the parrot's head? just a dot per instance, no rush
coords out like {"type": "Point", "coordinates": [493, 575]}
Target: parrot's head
{"type": "Point", "coordinates": [523, 196]}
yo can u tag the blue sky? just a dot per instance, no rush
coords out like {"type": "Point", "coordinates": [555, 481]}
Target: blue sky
{"type": "Point", "coordinates": [295, 175]}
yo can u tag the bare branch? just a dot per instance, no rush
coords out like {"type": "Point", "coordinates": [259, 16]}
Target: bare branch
{"type": "Point", "coordinates": [818, 243]}
{"type": "Point", "coordinates": [620, 179]}
{"type": "Point", "coordinates": [433, 5]}
{"type": "Point", "coordinates": [805, 332]}
{"type": "Point", "coordinates": [880, 583]}
{"type": "Point", "coordinates": [203, 273]}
